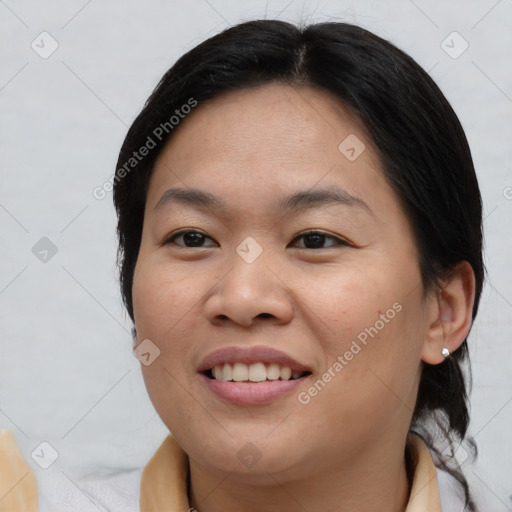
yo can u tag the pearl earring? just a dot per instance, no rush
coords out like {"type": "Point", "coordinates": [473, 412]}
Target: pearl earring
{"type": "Point", "coordinates": [445, 352]}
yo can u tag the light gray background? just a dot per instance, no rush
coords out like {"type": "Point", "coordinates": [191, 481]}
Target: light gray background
{"type": "Point", "coordinates": [67, 372]}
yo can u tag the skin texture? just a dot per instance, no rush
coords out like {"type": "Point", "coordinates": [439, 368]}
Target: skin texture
{"type": "Point", "coordinates": [344, 450]}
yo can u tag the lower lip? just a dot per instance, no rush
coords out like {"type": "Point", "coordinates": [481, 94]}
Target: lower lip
{"type": "Point", "coordinates": [244, 393]}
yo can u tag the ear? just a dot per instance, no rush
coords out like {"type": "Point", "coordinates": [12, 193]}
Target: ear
{"type": "Point", "coordinates": [449, 313]}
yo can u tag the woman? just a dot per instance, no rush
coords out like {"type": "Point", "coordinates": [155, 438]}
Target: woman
{"type": "Point", "coordinates": [300, 248]}
{"type": "Point", "coordinates": [293, 374]}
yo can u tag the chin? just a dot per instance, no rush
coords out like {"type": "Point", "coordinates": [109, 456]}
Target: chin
{"type": "Point", "coordinates": [258, 457]}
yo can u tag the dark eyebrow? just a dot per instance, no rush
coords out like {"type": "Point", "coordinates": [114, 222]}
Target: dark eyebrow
{"type": "Point", "coordinates": [302, 199]}
{"type": "Point", "coordinates": [321, 196]}
{"type": "Point", "coordinates": [191, 196]}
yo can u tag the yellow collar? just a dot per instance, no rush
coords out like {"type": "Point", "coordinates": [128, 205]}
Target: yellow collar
{"type": "Point", "coordinates": [164, 479]}
{"type": "Point", "coordinates": [18, 486]}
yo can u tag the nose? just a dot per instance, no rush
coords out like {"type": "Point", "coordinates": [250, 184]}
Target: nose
{"type": "Point", "coordinates": [250, 293]}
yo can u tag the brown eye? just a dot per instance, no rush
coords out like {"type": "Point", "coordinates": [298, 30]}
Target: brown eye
{"type": "Point", "coordinates": [190, 238]}
{"type": "Point", "coordinates": [316, 239]}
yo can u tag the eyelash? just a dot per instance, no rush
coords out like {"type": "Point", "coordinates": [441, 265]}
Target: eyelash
{"type": "Point", "coordinates": [340, 241]}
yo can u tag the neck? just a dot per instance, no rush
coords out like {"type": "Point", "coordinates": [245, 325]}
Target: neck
{"type": "Point", "coordinates": [375, 482]}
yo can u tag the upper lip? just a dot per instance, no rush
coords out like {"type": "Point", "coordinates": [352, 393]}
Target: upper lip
{"type": "Point", "coordinates": [250, 355]}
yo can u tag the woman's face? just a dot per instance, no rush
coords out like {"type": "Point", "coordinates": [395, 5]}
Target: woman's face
{"type": "Point", "coordinates": [344, 304]}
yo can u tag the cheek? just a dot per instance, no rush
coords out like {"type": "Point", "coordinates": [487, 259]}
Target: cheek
{"type": "Point", "coordinates": [349, 306]}
{"type": "Point", "coordinates": [162, 298]}
{"type": "Point", "coordinates": [381, 358]}
{"type": "Point", "coordinates": [163, 302]}
{"type": "Point", "coordinates": [374, 329]}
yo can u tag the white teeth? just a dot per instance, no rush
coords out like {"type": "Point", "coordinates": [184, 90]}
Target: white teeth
{"type": "Point", "coordinates": [286, 373]}
{"type": "Point", "coordinates": [273, 372]}
{"type": "Point", "coordinates": [256, 372]}
{"type": "Point", "coordinates": [217, 372]}
{"type": "Point", "coordinates": [240, 372]}
{"type": "Point", "coordinates": [227, 372]}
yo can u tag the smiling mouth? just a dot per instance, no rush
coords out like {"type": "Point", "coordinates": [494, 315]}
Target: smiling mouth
{"type": "Point", "coordinates": [253, 373]}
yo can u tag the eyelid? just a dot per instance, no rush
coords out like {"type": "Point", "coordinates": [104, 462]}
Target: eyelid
{"type": "Point", "coordinates": [312, 231]}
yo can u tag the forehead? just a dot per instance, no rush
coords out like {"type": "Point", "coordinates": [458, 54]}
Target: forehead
{"type": "Point", "coordinates": [256, 144]}
{"type": "Point", "coordinates": [268, 122]}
